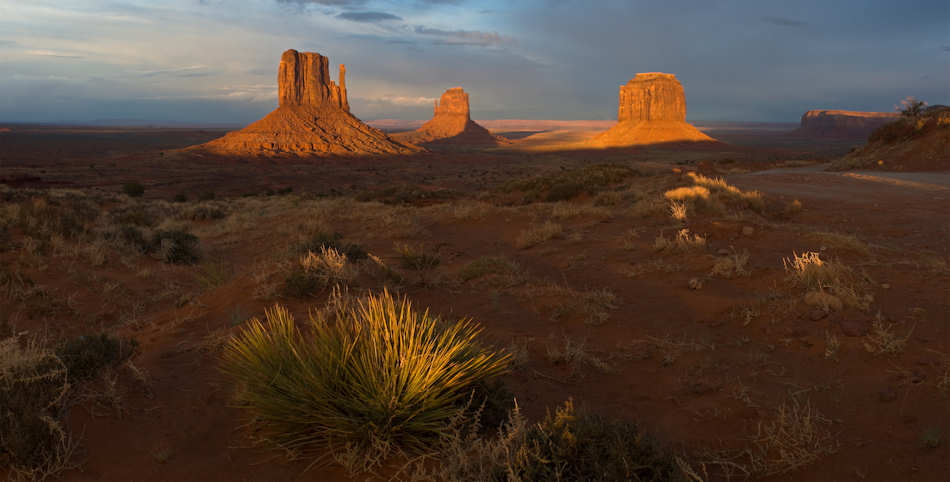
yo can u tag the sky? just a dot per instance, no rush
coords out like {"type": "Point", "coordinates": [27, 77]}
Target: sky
{"type": "Point", "coordinates": [215, 61]}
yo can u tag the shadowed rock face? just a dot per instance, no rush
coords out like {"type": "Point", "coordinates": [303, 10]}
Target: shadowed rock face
{"type": "Point", "coordinates": [304, 79]}
{"type": "Point", "coordinates": [451, 123]}
{"type": "Point", "coordinates": [313, 118]}
{"type": "Point", "coordinates": [843, 123]}
{"type": "Point", "coordinates": [652, 96]}
{"type": "Point", "coordinates": [652, 110]}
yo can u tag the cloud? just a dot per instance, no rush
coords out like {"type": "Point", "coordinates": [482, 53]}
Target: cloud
{"type": "Point", "coordinates": [368, 17]}
{"type": "Point", "coordinates": [329, 3]}
{"type": "Point", "coordinates": [399, 100]}
{"type": "Point", "coordinates": [465, 37]}
{"type": "Point", "coordinates": [7, 43]}
{"type": "Point", "coordinates": [784, 22]}
{"type": "Point", "coordinates": [191, 71]}
{"type": "Point", "coordinates": [52, 53]}
{"type": "Point", "coordinates": [945, 48]}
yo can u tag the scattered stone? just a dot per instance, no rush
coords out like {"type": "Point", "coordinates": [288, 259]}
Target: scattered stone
{"type": "Point", "coordinates": [695, 283]}
{"type": "Point", "coordinates": [824, 301]}
{"type": "Point", "coordinates": [748, 231]}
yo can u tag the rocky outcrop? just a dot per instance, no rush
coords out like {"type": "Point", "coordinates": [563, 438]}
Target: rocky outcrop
{"type": "Point", "coordinates": [842, 123]}
{"type": "Point", "coordinates": [313, 118]}
{"type": "Point", "coordinates": [652, 110]}
{"type": "Point", "coordinates": [451, 123]}
{"type": "Point", "coordinates": [919, 143]}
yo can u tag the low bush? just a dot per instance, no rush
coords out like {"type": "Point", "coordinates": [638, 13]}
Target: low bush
{"type": "Point", "coordinates": [133, 189]}
{"type": "Point", "coordinates": [416, 259]}
{"type": "Point", "coordinates": [373, 379]}
{"type": "Point", "coordinates": [323, 240]}
{"type": "Point", "coordinates": [43, 217]}
{"type": "Point", "coordinates": [33, 385]}
{"type": "Point", "coordinates": [565, 446]}
{"type": "Point", "coordinates": [85, 355]}
{"type": "Point", "coordinates": [570, 183]}
{"type": "Point", "coordinates": [176, 246]}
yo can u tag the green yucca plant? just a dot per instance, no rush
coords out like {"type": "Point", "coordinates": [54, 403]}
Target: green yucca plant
{"type": "Point", "coordinates": [377, 377]}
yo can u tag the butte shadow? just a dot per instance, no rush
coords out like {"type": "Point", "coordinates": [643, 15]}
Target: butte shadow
{"type": "Point", "coordinates": [313, 119]}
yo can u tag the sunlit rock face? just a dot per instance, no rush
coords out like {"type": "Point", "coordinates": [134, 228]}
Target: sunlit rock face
{"type": "Point", "coordinates": [651, 110]}
{"type": "Point", "coordinates": [652, 96]}
{"type": "Point", "coordinates": [313, 118]}
{"type": "Point", "coordinates": [451, 123]}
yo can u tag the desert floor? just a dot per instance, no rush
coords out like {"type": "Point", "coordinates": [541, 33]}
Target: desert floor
{"type": "Point", "coordinates": [697, 328]}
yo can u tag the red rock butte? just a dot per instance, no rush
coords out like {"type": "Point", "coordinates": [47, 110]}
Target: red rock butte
{"type": "Point", "coordinates": [313, 118]}
{"type": "Point", "coordinates": [451, 123]}
{"type": "Point", "coordinates": [842, 123]}
{"type": "Point", "coordinates": [652, 110]}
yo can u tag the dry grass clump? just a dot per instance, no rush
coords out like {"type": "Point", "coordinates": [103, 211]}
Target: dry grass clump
{"type": "Point", "coordinates": [569, 210]}
{"type": "Point", "coordinates": [798, 435]}
{"type": "Point", "coordinates": [687, 193]}
{"type": "Point", "coordinates": [499, 268]}
{"type": "Point", "coordinates": [537, 234]}
{"type": "Point", "coordinates": [678, 210]}
{"type": "Point", "coordinates": [567, 445]}
{"type": "Point", "coordinates": [593, 306]}
{"type": "Point", "coordinates": [838, 241]}
{"type": "Point", "coordinates": [883, 339]}
{"type": "Point", "coordinates": [575, 355]}
{"type": "Point", "coordinates": [377, 378]}
{"type": "Point", "coordinates": [814, 274]}
{"type": "Point", "coordinates": [33, 387]}
{"type": "Point", "coordinates": [731, 266]}
{"type": "Point", "coordinates": [682, 242]}
{"type": "Point", "coordinates": [318, 270]}
{"type": "Point", "coordinates": [722, 191]}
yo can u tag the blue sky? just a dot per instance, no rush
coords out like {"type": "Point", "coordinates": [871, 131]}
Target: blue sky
{"type": "Point", "coordinates": [215, 61]}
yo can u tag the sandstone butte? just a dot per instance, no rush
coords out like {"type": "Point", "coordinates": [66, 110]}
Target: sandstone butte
{"type": "Point", "coordinates": [451, 123]}
{"type": "Point", "coordinates": [842, 123]}
{"type": "Point", "coordinates": [652, 110]}
{"type": "Point", "coordinates": [313, 118]}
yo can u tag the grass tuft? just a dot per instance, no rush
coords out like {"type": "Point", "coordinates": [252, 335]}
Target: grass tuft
{"type": "Point", "coordinates": [375, 379]}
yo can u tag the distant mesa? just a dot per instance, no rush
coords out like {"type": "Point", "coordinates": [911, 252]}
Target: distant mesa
{"type": "Point", "coordinates": [652, 110]}
{"type": "Point", "coordinates": [842, 123]}
{"type": "Point", "coordinates": [451, 123]}
{"type": "Point", "coordinates": [313, 118]}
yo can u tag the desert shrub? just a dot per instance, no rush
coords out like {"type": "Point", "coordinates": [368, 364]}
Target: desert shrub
{"type": "Point", "coordinates": [137, 215]}
{"type": "Point", "coordinates": [314, 271]}
{"type": "Point", "coordinates": [407, 194]}
{"type": "Point", "coordinates": [912, 108]}
{"type": "Point", "coordinates": [488, 265]}
{"type": "Point", "coordinates": [43, 217]}
{"type": "Point", "coordinates": [721, 192]}
{"type": "Point", "coordinates": [814, 274]}
{"type": "Point", "coordinates": [176, 246]}
{"type": "Point", "coordinates": [132, 237]}
{"type": "Point", "coordinates": [321, 240]}
{"type": "Point", "coordinates": [732, 265]}
{"type": "Point", "coordinates": [133, 189]}
{"type": "Point", "coordinates": [570, 183]}
{"type": "Point", "coordinates": [85, 355]}
{"type": "Point", "coordinates": [416, 259]}
{"type": "Point", "coordinates": [565, 446]}
{"type": "Point", "coordinates": [33, 384]}
{"type": "Point", "coordinates": [682, 242]}
{"type": "Point", "coordinates": [537, 234]}
{"type": "Point", "coordinates": [373, 379]}
{"type": "Point", "coordinates": [204, 212]}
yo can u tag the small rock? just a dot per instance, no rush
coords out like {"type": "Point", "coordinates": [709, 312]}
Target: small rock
{"type": "Point", "coordinates": [695, 283]}
{"type": "Point", "coordinates": [817, 314]}
{"type": "Point", "coordinates": [886, 286]}
{"type": "Point", "coordinates": [854, 327]}
{"type": "Point", "coordinates": [748, 231]}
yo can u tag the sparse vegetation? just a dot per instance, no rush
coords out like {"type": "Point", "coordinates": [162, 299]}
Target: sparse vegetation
{"type": "Point", "coordinates": [813, 274]}
{"type": "Point", "coordinates": [682, 242]}
{"type": "Point", "coordinates": [133, 189]}
{"type": "Point", "coordinates": [566, 445]}
{"type": "Point", "coordinates": [377, 379]}
{"type": "Point", "coordinates": [537, 234]}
